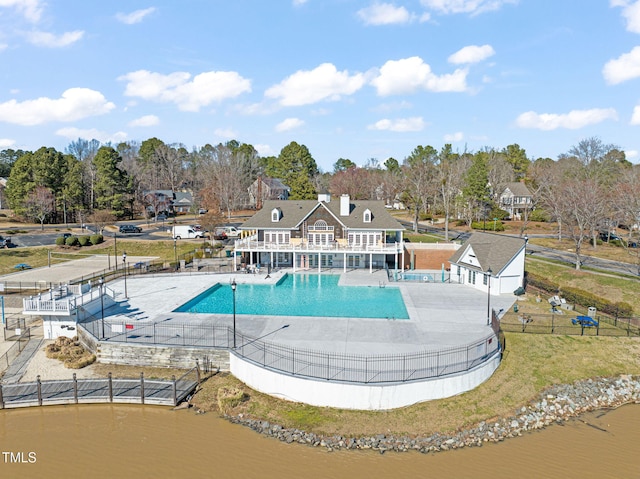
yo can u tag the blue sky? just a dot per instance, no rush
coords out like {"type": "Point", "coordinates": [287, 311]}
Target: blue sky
{"type": "Point", "coordinates": [348, 79]}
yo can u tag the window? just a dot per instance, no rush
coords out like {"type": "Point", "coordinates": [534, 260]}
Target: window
{"type": "Point", "coordinates": [474, 278]}
{"type": "Point", "coordinates": [458, 270]}
{"type": "Point", "coordinates": [366, 216]}
{"type": "Point", "coordinates": [484, 279]}
{"type": "Point", "coordinates": [275, 215]}
{"type": "Point", "coordinates": [320, 225]}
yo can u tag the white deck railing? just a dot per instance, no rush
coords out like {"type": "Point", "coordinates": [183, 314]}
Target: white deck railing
{"type": "Point", "coordinates": [251, 244]}
{"type": "Point", "coordinates": [62, 301]}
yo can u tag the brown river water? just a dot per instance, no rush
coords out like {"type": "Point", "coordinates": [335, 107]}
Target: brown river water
{"type": "Point", "coordinates": [104, 441]}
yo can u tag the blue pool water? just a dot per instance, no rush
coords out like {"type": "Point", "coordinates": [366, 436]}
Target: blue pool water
{"type": "Point", "coordinates": [301, 295]}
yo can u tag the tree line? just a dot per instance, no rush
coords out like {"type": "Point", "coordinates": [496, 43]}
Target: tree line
{"type": "Point", "coordinates": [589, 188]}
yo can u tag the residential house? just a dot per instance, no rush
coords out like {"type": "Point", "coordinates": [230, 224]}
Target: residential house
{"type": "Point", "coordinates": [490, 261]}
{"type": "Point", "coordinates": [169, 201]}
{"type": "Point", "coordinates": [515, 200]}
{"type": "Point", "coordinates": [264, 189]}
{"type": "Point", "coordinates": [182, 202]}
{"type": "Point", "coordinates": [322, 233]}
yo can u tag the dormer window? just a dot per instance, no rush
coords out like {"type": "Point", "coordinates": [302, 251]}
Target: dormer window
{"type": "Point", "coordinates": [367, 216]}
{"type": "Point", "coordinates": [276, 214]}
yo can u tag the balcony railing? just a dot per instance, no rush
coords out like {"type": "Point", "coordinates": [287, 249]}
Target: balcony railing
{"type": "Point", "coordinates": [62, 302]}
{"type": "Point", "coordinates": [251, 244]}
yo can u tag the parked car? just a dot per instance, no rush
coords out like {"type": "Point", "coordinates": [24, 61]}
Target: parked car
{"type": "Point", "coordinates": [232, 231]}
{"type": "Point", "coordinates": [605, 236]}
{"type": "Point", "coordinates": [5, 242]}
{"type": "Point", "coordinates": [125, 229]}
{"type": "Point", "coordinates": [161, 217]}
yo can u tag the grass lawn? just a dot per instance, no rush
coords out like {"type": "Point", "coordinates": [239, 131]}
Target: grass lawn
{"type": "Point", "coordinates": [615, 288]}
{"type": "Point", "coordinates": [38, 256]}
{"type": "Point", "coordinates": [531, 364]}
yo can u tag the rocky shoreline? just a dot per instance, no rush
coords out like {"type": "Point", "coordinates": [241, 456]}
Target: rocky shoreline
{"type": "Point", "coordinates": [556, 405]}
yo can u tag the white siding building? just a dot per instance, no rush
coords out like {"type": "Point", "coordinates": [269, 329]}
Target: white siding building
{"type": "Point", "coordinates": [490, 261]}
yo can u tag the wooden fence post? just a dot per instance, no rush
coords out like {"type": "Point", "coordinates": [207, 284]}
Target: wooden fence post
{"type": "Point", "coordinates": [175, 390]}
{"type": "Point", "coordinates": [1, 398]}
{"type": "Point", "coordinates": [75, 388]}
{"type": "Point", "coordinates": [39, 385]}
{"type": "Point", "coordinates": [198, 371]}
{"type": "Point", "coordinates": [141, 388]}
{"type": "Point", "coordinates": [110, 388]}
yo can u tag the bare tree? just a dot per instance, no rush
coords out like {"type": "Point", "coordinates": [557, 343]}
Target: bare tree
{"type": "Point", "coordinates": [40, 203]}
{"type": "Point", "coordinates": [102, 218]}
{"type": "Point", "coordinates": [450, 178]}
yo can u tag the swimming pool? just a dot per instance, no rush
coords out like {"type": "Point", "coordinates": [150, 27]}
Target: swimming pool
{"type": "Point", "coordinates": [301, 295]}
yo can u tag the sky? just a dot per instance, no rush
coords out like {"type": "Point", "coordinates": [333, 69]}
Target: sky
{"type": "Point", "coordinates": [350, 79]}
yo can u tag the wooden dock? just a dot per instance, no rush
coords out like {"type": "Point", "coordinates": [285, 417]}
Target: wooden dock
{"type": "Point", "coordinates": [107, 390]}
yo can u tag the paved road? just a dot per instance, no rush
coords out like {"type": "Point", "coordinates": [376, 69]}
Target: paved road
{"type": "Point", "coordinates": [618, 267]}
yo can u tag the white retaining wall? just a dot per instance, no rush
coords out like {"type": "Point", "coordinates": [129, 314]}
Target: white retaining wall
{"type": "Point", "coordinates": [359, 396]}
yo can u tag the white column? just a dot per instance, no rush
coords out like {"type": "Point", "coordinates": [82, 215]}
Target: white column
{"type": "Point", "coordinates": [370, 262]}
{"type": "Point", "coordinates": [319, 262]}
{"type": "Point", "coordinates": [294, 261]}
{"type": "Point", "coordinates": [344, 262]}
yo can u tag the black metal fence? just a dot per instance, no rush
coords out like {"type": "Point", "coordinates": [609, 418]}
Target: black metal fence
{"type": "Point", "coordinates": [362, 369]}
{"type": "Point", "coordinates": [566, 324]}
{"type": "Point", "coordinates": [12, 353]}
{"type": "Point", "coordinates": [303, 362]}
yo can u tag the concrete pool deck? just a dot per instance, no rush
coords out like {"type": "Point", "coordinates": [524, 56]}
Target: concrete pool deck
{"type": "Point", "coordinates": [440, 314]}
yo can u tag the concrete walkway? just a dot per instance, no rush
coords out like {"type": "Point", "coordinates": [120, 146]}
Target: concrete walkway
{"type": "Point", "coordinates": [19, 366]}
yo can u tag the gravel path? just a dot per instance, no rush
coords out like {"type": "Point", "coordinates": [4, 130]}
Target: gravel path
{"type": "Point", "coordinates": [49, 369]}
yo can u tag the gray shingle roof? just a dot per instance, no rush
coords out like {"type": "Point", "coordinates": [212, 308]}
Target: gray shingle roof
{"type": "Point", "coordinates": [294, 211]}
{"type": "Point", "coordinates": [518, 189]}
{"type": "Point", "coordinates": [491, 250]}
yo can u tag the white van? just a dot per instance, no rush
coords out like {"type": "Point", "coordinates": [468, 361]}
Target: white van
{"type": "Point", "coordinates": [183, 231]}
{"type": "Point", "coordinates": [232, 231]}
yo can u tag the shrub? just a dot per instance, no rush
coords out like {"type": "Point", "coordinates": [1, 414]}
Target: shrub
{"type": "Point", "coordinates": [96, 239]}
{"type": "Point", "coordinates": [84, 240]}
{"type": "Point", "coordinates": [488, 226]}
{"type": "Point", "coordinates": [60, 241]}
{"type": "Point", "coordinates": [71, 241]}
{"type": "Point", "coordinates": [425, 217]}
{"type": "Point", "coordinates": [539, 215]}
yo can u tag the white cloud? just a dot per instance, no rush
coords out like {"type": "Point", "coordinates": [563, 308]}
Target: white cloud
{"type": "Point", "coordinates": [411, 74]}
{"type": "Point", "coordinates": [30, 9]}
{"type": "Point", "coordinates": [573, 120]}
{"type": "Point", "coordinates": [472, 54]}
{"type": "Point", "coordinates": [147, 120]}
{"type": "Point", "coordinates": [187, 93]}
{"type": "Point", "coordinates": [425, 17]}
{"type": "Point", "coordinates": [46, 39]}
{"type": "Point", "coordinates": [103, 137]}
{"type": "Point", "coordinates": [75, 104]}
{"type": "Point", "coordinates": [264, 150]}
{"type": "Point", "coordinates": [631, 154]}
{"type": "Point", "coordinates": [322, 83]}
{"type": "Point", "coordinates": [297, 3]}
{"type": "Point", "coordinates": [631, 12]}
{"type": "Point", "coordinates": [473, 7]}
{"type": "Point", "coordinates": [384, 14]}
{"type": "Point", "coordinates": [635, 117]}
{"type": "Point", "coordinates": [226, 133]}
{"type": "Point", "coordinates": [3, 46]}
{"type": "Point", "coordinates": [6, 143]}
{"type": "Point", "coordinates": [289, 124]}
{"type": "Point", "coordinates": [453, 137]}
{"type": "Point", "coordinates": [399, 125]}
{"type": "Point", "coordinates": [625, 67]}
{"type": "Point", "coordinates": [134, 17]}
